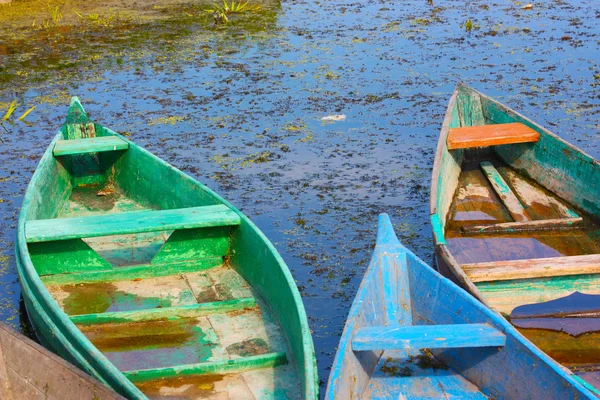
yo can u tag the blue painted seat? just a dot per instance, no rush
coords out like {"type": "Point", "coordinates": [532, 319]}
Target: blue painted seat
{"type": "Point", "coordinates": [427, 336]}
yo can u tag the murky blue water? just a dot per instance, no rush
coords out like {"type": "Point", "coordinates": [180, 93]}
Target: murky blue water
{"type": "Point", "coordinates": [240, 109]}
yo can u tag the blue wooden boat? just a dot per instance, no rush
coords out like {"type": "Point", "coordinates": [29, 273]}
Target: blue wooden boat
{"type": "Point", "coordinates": [413, 334]}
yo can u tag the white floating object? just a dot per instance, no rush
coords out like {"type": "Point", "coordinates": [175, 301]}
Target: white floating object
{"type": "Point", "coordinates": [340, 117]}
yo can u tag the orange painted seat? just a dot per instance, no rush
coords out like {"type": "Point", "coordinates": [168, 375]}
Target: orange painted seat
{"type": "Point", "coordinates": [490, 135]}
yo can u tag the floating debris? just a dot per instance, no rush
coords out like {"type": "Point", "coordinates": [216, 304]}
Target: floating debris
{"type": "Point", "coordinates": [334, 118]}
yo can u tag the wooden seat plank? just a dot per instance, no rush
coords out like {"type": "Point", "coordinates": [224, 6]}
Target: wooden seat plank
{"type": "Point", "coordinates": [89, 145]}
{"type": "Point", "coordinates": [129, 222]}
{"type": "Point", "coordinates": [532, 268]}
{"type": "Point", "coordinates": [427, 336]}
{"type": "Point", "coordinates": [508, 198]}
{"type": "Point", "coordinates": [490, 135]}
{"type": "Point", "coordinates": [507, 227]}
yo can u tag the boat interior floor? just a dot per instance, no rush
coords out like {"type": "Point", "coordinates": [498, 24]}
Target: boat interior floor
{"type": "Point", "coordinates": [539, 249]}
{"type": "Point", "coordinates": [478, 203]}
{"type": "Point", "coordinates": [185, 330]}
{"type": "Point", "coordinates": [418, 375]}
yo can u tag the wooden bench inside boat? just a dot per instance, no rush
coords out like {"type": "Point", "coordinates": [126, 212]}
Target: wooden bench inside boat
{"type": "Point", "coordinates": [490, 135]}
{"type": "Point", "coordinates": [532, 268]}
{"type": "Point", "coordinates": [89, 145]}
{"type": "Point", "coordinates": [129, 222]}
{"type": "Point", "coordinates": [427, 336]}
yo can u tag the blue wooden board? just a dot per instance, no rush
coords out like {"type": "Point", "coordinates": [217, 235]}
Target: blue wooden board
{"type": "Point", "coordinates": [427, 336]}
{"type": "Point", "coordinates": [406, 376]}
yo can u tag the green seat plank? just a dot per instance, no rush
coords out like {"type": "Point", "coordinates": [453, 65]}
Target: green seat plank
{"type": "Point", "coordinates": [45, 230]}
{"type": "Point", "coordinates": [89, 145]}
{"type": "Point", "coordinates": [189, 311]}
{"type": "Point", "coordinates": [236, 365]}
{"type": "Point", "coordinates": [427, 336]}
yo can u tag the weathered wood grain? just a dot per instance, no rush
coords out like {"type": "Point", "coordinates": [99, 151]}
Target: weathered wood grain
{"type": "Point", "coordinates": [427, 336]}
{"type": "Point", "coordinates": [559, 223]}
{"type": "Point", "coordinates": [29, 371]}
{"type": "Point", "coordinates": [490, 135]}
{"type": "Point", "coordinates": [508, 198]}
{"type": "Point", "coordinates": [533, 268]}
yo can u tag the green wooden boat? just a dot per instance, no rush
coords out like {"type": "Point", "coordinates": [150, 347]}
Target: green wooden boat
{"type": "Point", "coordinates": [152, 283]}
{"type": "Point", "coordinates": [515, 216]}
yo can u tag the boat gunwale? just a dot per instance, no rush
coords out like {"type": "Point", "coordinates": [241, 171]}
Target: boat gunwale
{"type": "Point", "coordinates": [308, 380]}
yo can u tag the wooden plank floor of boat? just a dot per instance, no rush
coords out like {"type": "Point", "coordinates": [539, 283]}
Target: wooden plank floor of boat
{"type": "Point", "coordinates": [418, 375]}
{"type": "Point", "coordinates": [205, 321]}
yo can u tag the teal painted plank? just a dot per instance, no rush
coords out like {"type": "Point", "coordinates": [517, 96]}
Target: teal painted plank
{"type": "Point", "coordinates": [510, 201]}
{"type": "Point", "coordinates": [208, 368]}
{"type": "Point", "coordinates": [438, 229]}
{"type": "Point", "coordinates": [190, 311]}
{"type": "Point", "coordinates": [135, 272]}
{"type": "Point", "coordinates": [427, 336]}
{"type": "Point", "coordinates": [89, 145]}
{"type": "Point", "coordinates": [129, 222]}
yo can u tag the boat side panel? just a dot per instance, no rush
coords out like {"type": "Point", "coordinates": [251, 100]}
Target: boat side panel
{"type": "Point", "coordinates": [500, 372]}
{"type": "Point", "coordinates": [51, 189]}
{"type": "Point", "coordinates": [154, 183]}
{"type": "Point", "coordinates": [446, 167]}
{"type": "Point", "coordinates": [352, 371]}
{"type": "Point", "coordinates": [257, 261]}
{"type": "Point", "coordinates": [555, 164]}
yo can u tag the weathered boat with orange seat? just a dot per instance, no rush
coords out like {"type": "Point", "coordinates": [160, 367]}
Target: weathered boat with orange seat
{"type": "Point", "coordinates": [514, 212]}
{"type": "Point", "coordinates": [151, 282]}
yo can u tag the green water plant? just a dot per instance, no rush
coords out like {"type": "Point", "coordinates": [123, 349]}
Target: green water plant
{"type": "Point", "coordinates": [222, 13]}
{"type": "Point", "coordinates": [468, 25]}
{"type": "Point", "coordinates": [11, 108]}
{"type": "Point", "coordinates": [26, 113]}
{"type": "Point", "coordinates": [55, 16]}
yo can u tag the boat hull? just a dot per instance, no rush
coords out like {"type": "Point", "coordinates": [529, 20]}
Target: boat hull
{"type": "Point", "coordinates": [251, 259]}
{"type": "Point", "coordinates": [482, 242]}
{"type": "Point", "coordinates": [400, 293]}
